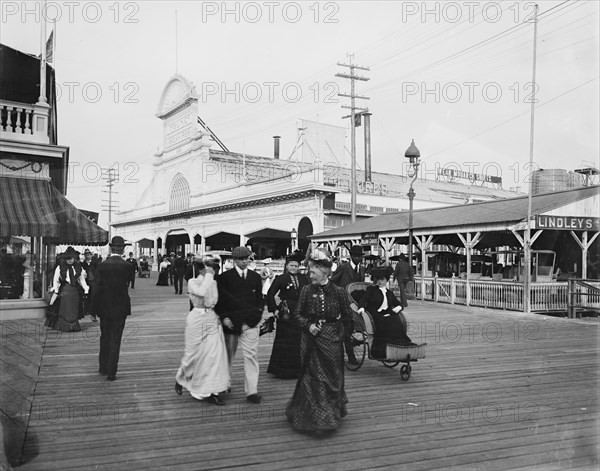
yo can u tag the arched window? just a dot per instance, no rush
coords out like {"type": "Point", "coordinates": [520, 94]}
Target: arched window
{"type": "Point", "coordinates": [180, 194]}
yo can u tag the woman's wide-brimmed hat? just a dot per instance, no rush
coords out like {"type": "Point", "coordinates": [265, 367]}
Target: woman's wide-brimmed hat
{"type": "Point", "coordinates": [321, 257]}
{"type": "Point", "coordinates": [70, 253]}
{"type": "Point", "coordinates": [381, 272]}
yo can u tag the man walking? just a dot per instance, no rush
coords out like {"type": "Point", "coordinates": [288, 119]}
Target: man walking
{"type": "Point", "coordinates": [345, 274]}
{"type": "Point", "coordinates": [134, 263]}
{"type": "Point", "coordinates": [240, 308]}
{"type": "Point", "coordinates": [179, 268]}
{"type": "Point", "coordinates": [112, 305]}
{"type": "Point", "coordinates": [403, 273]}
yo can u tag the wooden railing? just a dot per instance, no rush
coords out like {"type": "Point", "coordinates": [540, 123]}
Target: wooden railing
{"type": "Point", "coordinates": [552, 296]}
{"type": "Point", "coordinates": [582, 295]}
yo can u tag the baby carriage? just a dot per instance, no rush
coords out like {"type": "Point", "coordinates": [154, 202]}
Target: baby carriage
{"type": "Point", "coordinates": [362, 338]}
{"type": "Point", "coordinates": [144, 269]}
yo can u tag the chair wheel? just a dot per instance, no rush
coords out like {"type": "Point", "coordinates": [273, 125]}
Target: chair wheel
{"type": "Point", "coordinates": [405, 372]}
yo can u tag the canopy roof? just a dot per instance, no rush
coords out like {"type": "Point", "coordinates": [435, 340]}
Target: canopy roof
{"type": "Point", "coordinates": [453, 218]}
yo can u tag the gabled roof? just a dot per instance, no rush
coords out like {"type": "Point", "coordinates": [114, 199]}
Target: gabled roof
{"type": "Point", "coordinates": [508, 211]}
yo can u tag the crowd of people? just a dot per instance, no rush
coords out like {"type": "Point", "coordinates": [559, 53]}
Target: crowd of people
{"type": "Point", "coordinates": [227, 308]}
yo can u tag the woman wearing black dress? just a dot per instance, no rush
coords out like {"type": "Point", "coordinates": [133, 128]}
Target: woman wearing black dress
{"type": "Point", "coordinates": [285, 356]}
{"type": "Point", "coordinates": [383, 305]}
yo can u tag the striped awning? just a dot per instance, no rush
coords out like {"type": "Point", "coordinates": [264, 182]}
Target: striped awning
{"type": "Point", "coordinates": [36, 208]}
{"type": "Point", "coordinates": [26, 208]}
{"type": "Point", "coordinates": [74, 228]}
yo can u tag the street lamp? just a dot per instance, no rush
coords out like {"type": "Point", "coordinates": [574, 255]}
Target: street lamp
{"type": "Point", "coordinates": [413, 154]}
{"type": "Point", "coordinates": [294, 235]}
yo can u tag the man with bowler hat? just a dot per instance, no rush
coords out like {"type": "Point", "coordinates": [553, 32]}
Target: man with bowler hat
{"type": "Point", "coordinates": [112, 305]}
{"type": "Point", "coordinates": [240, 308]}
{"type": "Point", "coordinates": [345, 274]}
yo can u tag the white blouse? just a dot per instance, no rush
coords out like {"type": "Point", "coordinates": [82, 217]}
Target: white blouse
{"type": "Point", "coordinates": [80, 280]}
{"type": "Point", "coordinates": [203, 291]}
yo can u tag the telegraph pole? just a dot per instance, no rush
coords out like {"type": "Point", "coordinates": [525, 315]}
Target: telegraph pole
{"type": "Point", "coordinates": [353, 77]}
{"type": "Point", "coordinates": [111, 175]}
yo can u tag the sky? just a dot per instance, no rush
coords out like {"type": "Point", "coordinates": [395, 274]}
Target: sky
{"type": "Point", "coordinates": [454, 76]}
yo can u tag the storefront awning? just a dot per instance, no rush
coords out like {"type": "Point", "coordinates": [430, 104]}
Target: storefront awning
{"type": "Point", "coordinates": [74, 228]}
{"type": "Point", "coordinates": [31, 207]}
{"type": "Point", "coordinates": [26, 208]}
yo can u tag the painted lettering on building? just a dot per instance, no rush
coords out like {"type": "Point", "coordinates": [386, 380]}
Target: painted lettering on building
{"type": "Point", "coordinates": [568, 223]}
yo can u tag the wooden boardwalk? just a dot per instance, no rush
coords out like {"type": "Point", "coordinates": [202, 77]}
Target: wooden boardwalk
{"type": "Point", "coordinates": [497, 390]}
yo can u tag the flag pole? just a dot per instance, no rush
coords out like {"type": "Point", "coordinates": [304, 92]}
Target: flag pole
{"type": "Point", "coordinates": [42, 98]}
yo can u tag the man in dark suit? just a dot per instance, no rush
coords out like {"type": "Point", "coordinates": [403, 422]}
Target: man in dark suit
{"type": "Point", "coordinates": [179, 268]}
{"type": "Point", "coordinates": [351, 272]}
{"type": "Point", "coordinates": [403, 273]}
{"type": "Point", "coordinates": [345, 274]}
{"type": "Point", "coordinates": [134, 263]}
{"type": "Point", "coordinates": [112, 305]}
{"type": "Point", "coordinates": [240, 308]}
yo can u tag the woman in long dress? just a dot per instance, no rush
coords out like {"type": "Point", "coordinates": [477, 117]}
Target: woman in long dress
{"type": "Point", "coordinates": [383, 305]}
{"type": "Point", "coordinates": [323, 309]}
{"type": "Point", "coordinates": [163, 272]}
{"type": "Point", "coordinates": [204, 369]}
{"type": "Point", "coordinates": [70, 285]}
{"type": "Point", "coordinates": [285, 356]}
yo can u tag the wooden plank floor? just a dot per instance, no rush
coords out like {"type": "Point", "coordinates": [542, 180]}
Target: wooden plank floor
{"type": "Point", "coordinates": [498, 390]}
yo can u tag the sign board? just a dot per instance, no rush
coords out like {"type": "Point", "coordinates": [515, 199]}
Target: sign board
{"type": "Point", "coordinates": [369, 238]}
{"type": "Point", "coordinates": [452, 174]}
{"type": "Point", "coordinates": [567, 223]}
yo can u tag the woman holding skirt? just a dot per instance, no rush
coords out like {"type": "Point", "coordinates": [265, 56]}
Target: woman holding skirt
{"type": "Point", "coordinates": [323, 309]}
{"type": "Point", "coordinates": [204, 369]}
{"type": "Point", "coordinates": [70, 285]}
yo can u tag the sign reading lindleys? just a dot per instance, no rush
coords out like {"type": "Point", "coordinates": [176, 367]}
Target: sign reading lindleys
{"type": "Point", "coordinates": [567, 223]}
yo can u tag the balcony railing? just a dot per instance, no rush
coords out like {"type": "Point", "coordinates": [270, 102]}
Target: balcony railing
{"type": "Point", "coordinates": [24, 122]}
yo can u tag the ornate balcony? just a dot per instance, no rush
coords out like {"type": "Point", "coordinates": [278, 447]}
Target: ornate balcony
{"type": "Point", "coordinates": [24, 122]}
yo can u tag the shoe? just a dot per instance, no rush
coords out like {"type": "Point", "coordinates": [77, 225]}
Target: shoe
{"type": "Point", "coordinates": [352, 361]}
{"type": "Point", "coordinates": [178, 388]}
{"type": "Point", "coordinates": [111, 378]}
{"type": "Point", "coordinates": [214, 399]}
{"type": "Point", "coordinates": [254, 398]}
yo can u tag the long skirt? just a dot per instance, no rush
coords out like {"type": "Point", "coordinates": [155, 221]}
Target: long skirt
{"type": "Point", "coordinates": [163, 278]}
{"type": "Point", "coordinates": [319, 401]}
{"type": "Point", "coordinates": [285, 356]}
{"type": "Point", "coordinates": [389, 328]}
{"type": "Point", "coordinates": [68, 310]}
{"type": "Point", "coordinates": [204, 368]}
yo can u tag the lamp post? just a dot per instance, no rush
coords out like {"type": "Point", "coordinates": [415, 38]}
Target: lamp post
{"type": "Point", "coordinates": [413, 154]}
{"type": "Point", "coordinates": [294, 236]}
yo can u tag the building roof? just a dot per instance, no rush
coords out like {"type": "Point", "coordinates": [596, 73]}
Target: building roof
{"type": "Point", "coordinates": [507, 211]}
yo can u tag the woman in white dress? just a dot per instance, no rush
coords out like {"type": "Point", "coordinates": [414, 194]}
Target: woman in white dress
{"type": "Point", "coordinates": [204, 369]}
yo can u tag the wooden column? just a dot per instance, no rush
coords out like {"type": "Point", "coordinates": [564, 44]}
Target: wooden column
{"type": "Point", "coordinates": [470, 242]}
{"type": "Point", "coordinates": [424, 243]}
{"type": "Point", "coordinates": [585, 244]}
